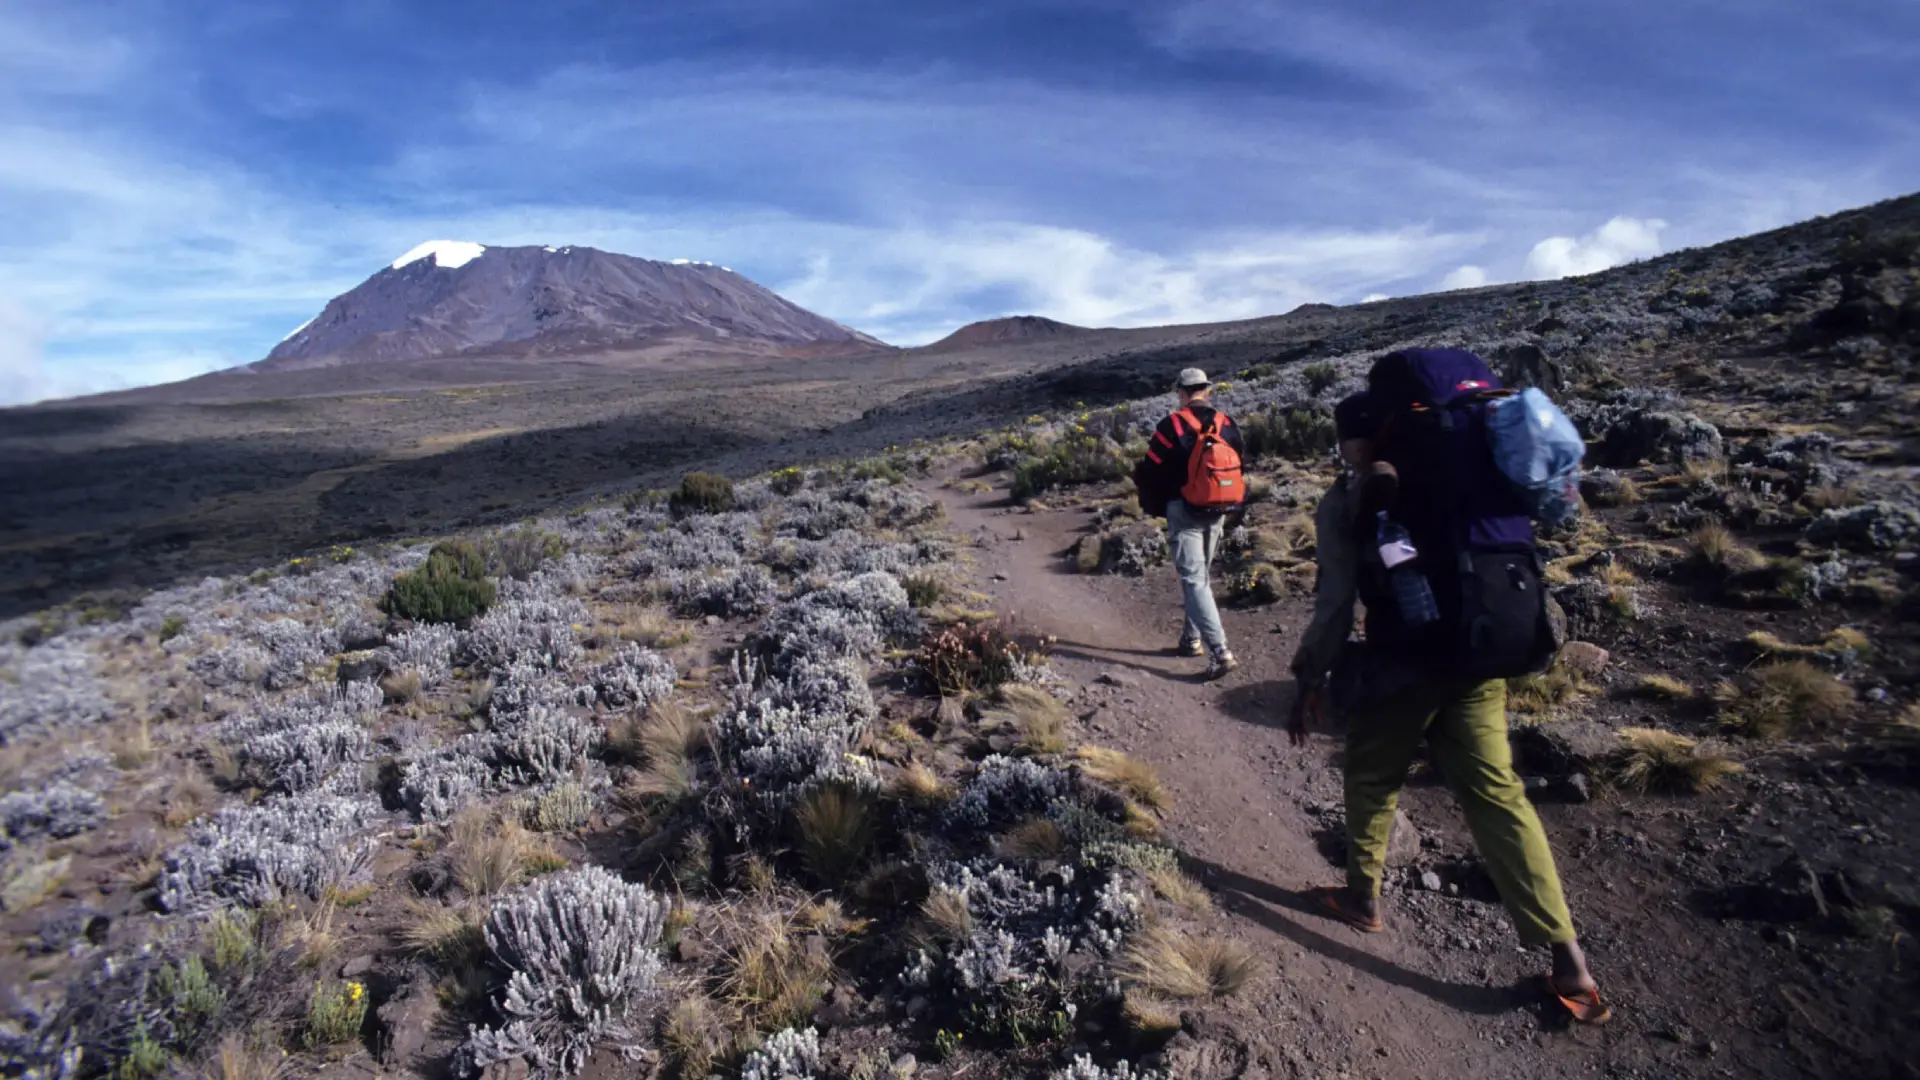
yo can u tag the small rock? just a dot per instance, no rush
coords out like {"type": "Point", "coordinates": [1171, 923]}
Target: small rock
{"type": "Point", "coordinates": [1405, 842]}
{"type": "Point", "coordinates": [905, 1066]}
{"type": "Point", "coordinates": [1584, 657]}
{"type": "Point", "coordinates": [713, 620]}
{"type": "Point", "coordinates": [356, 967]}
{"type": "Point", "coordinates": [1579, 787]}
{"type": "Point", "coordinates": [1430, 881]}
{"type": "Point", "coordinates": [410, 1019]}
{"type": "Point", "coordinates": [999, 577]}
{"type": "Point", "coordinates": [1111, 678]}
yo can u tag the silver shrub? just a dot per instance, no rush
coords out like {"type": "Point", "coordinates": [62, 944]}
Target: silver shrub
{"type": "Point", "coordinates": [299, 844]}
{"type": "Point", "coordinates": [437, 786]}
{"type": "Point", "coordinates": [301, 758]}
{"type": "Point", "coordinates": [544, 744]}
{"type": "Point", "coordinates": [426, 650]}
{"type": "Point", "coordinates": [788, 1054]}
{"type": "Point", "coordinates": [50, 687]}
{"type": "Point", "coordinates": [223, 664]}
{"type": "Point", "coordinates": [1005, 790]}
{"type": "Point", "coordinates": [59, 810]}
{"type": "Point", "coordinates": [293, 648]}
{"type": "Point", "coordinates": [694, 547]}
{"type": "Point", "coordinates": [816, 515]}
{"type": "Point", "coordinates": [835, 688]}
{"type": "Point", "coordinates": [782, 752]}
{"type": "Point", "coordinates": [633, 676]}
{"type": "Point", "coordinates": [582, 950]}
{"type": "Point", "coordinates": [740, 592]}
{"type": "Point", "coordinates": [850, 619]}
{"type": "Point", "coordinates": [1083, 1068]}
{"type": "Point", "coordinates": [296, 744]}
{"type": "Point", "coordinates": [1026, 923]}
{"type": "Point", "coordinates": [531, 620]}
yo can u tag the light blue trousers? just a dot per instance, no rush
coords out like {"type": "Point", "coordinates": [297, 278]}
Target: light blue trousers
{"type": "Point", "coordinates": [1192, 540]}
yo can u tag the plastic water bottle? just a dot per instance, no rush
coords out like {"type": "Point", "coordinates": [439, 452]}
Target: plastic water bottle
{"type": "Point", "coordinates": [1410, 588]}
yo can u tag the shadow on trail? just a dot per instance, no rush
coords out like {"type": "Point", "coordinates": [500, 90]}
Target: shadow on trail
{"type": "Point", "coordinates": [1116, 657]}
{"type": "Point", "coordinates": [1466, 997]}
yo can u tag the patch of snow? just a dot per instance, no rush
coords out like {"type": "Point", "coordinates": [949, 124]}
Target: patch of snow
{"type": "Point", "coordinates": [297, 329]}
{"type": "Point", "coordinates": [681, 262]}
{"type": "Point", "coordinates": [550, 250]}
{"type": "Point", "coordinates": [446, 254]}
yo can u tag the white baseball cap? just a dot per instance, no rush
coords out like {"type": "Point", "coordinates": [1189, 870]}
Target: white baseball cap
{"type": "Point", "coordinates": [1192, 379]}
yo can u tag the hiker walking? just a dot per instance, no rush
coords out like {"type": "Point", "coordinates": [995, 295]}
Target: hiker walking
{"type": "Point", "coordinates": [1426, 532]}
{"type": "Point", "coordinates": [1191, 476]}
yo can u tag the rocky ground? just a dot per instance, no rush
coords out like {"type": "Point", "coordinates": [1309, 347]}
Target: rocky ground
{"type": "Point", "coordinates": [880, 768]}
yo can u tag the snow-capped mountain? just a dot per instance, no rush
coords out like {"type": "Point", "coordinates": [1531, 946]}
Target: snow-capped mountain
{"type": "Point", "coordinates": [447, 296]}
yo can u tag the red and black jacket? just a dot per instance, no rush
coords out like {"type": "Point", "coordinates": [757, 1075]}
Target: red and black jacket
{"type": "Point", "coordinates": [1163, 471]}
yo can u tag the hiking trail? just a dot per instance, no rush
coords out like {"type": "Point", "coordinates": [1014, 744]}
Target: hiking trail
{"type": "Point", "coordinates": [1329, 1001]}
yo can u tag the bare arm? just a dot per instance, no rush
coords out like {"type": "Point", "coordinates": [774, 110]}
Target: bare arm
{"type": "Point", "coordinates": [1335, 587]}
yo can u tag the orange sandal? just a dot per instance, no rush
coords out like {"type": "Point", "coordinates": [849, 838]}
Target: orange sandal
{"type": "Point", "coordinates": [1329, 903]}
{"type": "Point", "coordinates": [1585, 1005]}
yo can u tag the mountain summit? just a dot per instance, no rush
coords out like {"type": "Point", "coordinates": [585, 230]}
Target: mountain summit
{"type": "Point", "coordinates": [448, 297]}
{"type": "Point", "coordinates": [1012, 328]}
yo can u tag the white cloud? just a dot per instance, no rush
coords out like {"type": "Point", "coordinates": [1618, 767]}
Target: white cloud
{"type": "Point", "coordinates": [1374, 296]}
{"type": "Point", "coordinates": [1620, 240]}
{"type": "Point", "coordinates": [1464, 277]}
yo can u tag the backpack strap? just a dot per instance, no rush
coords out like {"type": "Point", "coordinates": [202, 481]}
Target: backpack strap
{"type": "Point", "coordinates": [1193, 421]}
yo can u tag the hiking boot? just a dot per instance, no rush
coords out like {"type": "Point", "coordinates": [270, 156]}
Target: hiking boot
{"type": "Point", "coordinates": [1189, 647]}
{"type": "Point", "coordinates": [1221, 663]}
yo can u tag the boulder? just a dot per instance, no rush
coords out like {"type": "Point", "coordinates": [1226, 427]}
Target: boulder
{"type": "Point", "coordinates": [1563, 748]}
{"type": "Point", "coordinates": [409, 1018]}
{"type": "Point", "coordinates": [1584, 657]}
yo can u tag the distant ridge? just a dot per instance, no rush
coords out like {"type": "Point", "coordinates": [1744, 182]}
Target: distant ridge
{"type": "Point", "coordinates": [448, 297]}
{"type": "Point", "coordinates": [1010, 329]}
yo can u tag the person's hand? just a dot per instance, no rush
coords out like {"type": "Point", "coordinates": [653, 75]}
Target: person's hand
{"type": "Point", "coordinates": [1309, 712]}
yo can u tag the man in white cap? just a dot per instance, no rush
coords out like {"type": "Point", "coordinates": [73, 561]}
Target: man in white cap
{"type": "Point", "coordinates": [1191, 476]}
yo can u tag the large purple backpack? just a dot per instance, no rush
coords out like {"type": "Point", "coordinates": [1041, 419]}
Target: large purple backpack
{"type": "Point", "coordinates": [1473, 534]}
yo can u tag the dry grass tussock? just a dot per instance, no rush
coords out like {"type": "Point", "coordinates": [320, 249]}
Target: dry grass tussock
{"type": "Point", "coordinates": [241, 1058]}
{"type": "Point", "coordinates": [694, 1037]}
{"type": "Point", "coordinates": [947, 915]}
{"type": "Point", "coordinates": [450, 936]}
{"type": "Point", "coordinates": [1667, 763]}
{"type": "Point", "coordinates": [1039, 717]}
{"type": "Point", "coordinates": [1783, 697]}
{"type": "Point", "coordinates": [1038, 838]}
{"type": "Point", "coordinates": [132, 745]}
{"type": "Point", "coordinates": [1173, 963]}
{"type": "Point", "coordinates": [917, 783]}
{"type": "Point", "coordinates": [837, 832]}
{"type": "Point", "coordinates": [1533, 698]}
{"type": "Point", "coordinates": [1716, 549]}
{"type": "Point", "coordinates": [665, 740]}
{"type": "Point", "coordinates": [1844, 641]}
{"type": "Point", "coordinates": [774, 971]}
{"type": "Point", "coordinates": [1135, 778]}
{"type": "Point", "coordinates": [1664, 688]}
{"type": "Point", "coordinates": [1180, 889]}
{"type": "Point", "coordinates": [485, 855]}
{"type": "Point", "coordinates": [1149, 1015]}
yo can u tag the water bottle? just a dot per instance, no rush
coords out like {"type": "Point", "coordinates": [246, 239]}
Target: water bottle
{"type": "Point", "coordinates": [1410, 588]}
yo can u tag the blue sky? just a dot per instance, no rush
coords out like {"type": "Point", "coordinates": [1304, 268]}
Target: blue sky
{"type": "Point", "coordinates": [182, 182]}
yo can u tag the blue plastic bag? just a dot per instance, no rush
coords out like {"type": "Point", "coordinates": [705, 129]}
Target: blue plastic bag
{"type": "Point", "coordinates": [1538, 450]}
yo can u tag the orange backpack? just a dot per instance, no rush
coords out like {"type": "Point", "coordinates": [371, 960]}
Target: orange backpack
{"type": "Point", "coordinates": [1213, 469]}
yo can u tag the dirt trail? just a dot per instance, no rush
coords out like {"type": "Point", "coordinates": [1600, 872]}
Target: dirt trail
{"type": "Point", "coordinates": [1331, 1002]}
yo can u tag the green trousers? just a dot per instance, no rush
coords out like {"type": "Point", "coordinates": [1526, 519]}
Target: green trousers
{"type": "Point", "coordinates": [1466, 723]}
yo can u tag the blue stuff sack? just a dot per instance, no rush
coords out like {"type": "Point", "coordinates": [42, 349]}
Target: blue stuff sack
{"type": "Point", "coordinates": [1538, 450]}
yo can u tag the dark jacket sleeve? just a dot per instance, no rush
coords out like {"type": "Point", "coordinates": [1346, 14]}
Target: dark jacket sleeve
{"type": "Point", "coordinates": [1154, 475]}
